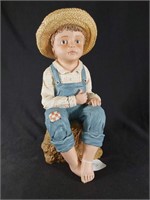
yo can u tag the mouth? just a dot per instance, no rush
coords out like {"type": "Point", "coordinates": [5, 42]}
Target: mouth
{"type": "Point", "coordinates": [72, 52]}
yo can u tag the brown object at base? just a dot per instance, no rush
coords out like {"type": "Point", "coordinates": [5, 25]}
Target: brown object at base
{"type": "Point", "coordinates": [52, 156]}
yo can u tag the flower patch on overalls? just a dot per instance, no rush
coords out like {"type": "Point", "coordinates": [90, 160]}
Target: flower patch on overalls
{"type": "Point", "coordinates": [54, 116]}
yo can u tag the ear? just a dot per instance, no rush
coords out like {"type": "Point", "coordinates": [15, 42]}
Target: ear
{"type": "Point", "coordinates": [53, 50]}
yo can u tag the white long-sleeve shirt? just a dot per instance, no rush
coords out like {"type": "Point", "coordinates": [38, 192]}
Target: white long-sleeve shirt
{"type": "Point", "coordinates": [49, 99]}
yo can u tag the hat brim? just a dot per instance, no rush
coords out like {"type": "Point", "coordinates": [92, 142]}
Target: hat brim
{"type": "Point", "coordinates": [62, 17]}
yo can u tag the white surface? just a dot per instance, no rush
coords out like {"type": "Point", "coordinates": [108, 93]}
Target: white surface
{"type": "Point", "coordinates": [98, 165]}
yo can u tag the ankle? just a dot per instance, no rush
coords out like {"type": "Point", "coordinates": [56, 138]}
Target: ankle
{"type": "Point", "coordinates": [87, 161]}
{"type": "Point", "coordinates": [75, 165]}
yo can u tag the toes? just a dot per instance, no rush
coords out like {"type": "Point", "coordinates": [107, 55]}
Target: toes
{"type": "Point", "coordinates": [90, 177]}
{"type": "Point", "coordinates": [93, 176]}
{"type": "Point", "coordinates": [84, 179]}
{"type": "Point", "coordinates": [87, 178]}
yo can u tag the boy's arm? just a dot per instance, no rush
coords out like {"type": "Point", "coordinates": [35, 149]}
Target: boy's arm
{"type": "Point", "coordinates": [49, 100]}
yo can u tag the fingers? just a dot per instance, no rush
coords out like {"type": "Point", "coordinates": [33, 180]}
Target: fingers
{"type": "Point", "coordinates": [95, 102]}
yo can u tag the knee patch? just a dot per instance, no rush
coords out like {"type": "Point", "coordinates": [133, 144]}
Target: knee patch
{"type": "Point", "coordinates": [54, 116]}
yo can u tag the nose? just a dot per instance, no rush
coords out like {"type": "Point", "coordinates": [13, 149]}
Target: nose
{"type": "Point", "coordinates": [71, 44]}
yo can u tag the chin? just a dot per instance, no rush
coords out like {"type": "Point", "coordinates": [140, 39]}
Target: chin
{"type": "Point", "coordinates": [71, 58]}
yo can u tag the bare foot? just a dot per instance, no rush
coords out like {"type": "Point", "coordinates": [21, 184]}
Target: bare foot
{"type": "Point", "coordinates": [87, 173]}
{"type": "Point", "coordinates": [76, 169]}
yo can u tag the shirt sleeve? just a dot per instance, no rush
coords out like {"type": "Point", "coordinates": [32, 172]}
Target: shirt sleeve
{"type": "Point", "coordinates": [49, 100]}
{"type": "Point", "coordinates": [89, 91]}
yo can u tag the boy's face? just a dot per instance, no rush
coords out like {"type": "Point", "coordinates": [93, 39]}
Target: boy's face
{"type": "Point", "coordinates": [68, 45]}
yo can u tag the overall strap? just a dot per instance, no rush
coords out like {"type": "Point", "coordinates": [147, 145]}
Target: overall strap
{"type": "Point", "coordinates": [83, 74]}
{"type": "Point", "coordinates": [55, 74]}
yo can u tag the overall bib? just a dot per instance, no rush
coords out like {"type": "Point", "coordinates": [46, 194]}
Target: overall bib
{"type": "Point", "coordinates": [92, 118]}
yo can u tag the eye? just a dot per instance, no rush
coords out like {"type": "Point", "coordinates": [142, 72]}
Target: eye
{"type": "Point", "coordinates": [63, 42]}
{"type": "Point", "coordinates": [78, 41]}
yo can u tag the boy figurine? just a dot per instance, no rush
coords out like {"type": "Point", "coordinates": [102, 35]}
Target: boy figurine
{"type": "Point", "coordinates": [65, 35]}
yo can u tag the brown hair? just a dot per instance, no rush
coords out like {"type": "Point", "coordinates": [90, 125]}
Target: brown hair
{"type": "Point", "coordinates": [68, 27]}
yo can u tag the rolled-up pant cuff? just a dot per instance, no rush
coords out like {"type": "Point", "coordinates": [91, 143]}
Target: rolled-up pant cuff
{"type": "Point", "coordinates": [65, 145]}
{"type": "Point", "coordinates": [88, 138]}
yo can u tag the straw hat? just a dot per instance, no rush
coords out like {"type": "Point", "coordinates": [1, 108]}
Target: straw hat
{"type": "Point", "coordinates": [62, 17]}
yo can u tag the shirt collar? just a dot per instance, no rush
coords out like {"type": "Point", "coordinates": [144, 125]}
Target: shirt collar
{"type": "Point", "coordinates": [61, 70]}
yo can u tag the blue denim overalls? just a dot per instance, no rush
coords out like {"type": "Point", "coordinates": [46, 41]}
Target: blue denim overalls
{"type": "Point", "coordinates": [92, 118]}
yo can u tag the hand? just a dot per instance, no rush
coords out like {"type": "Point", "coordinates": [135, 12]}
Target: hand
{"type": "Point", "coordinates": [81, 97]}
{"type": "Point", "coordinates": [94, 102]}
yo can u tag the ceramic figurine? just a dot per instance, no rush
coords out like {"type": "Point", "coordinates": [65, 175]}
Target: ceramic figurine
{"type": "Point", "coordinates": [65, 35]}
